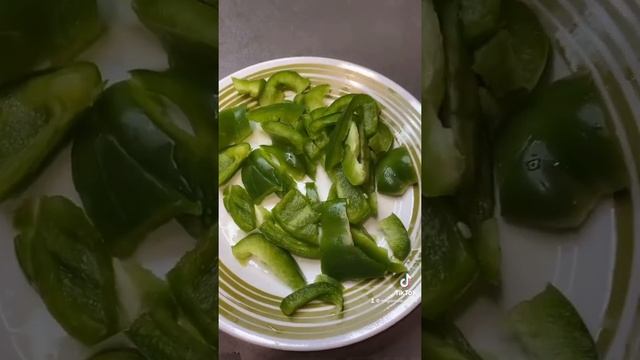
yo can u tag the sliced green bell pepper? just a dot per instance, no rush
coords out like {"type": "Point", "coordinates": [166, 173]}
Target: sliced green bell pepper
{"type": "Point", "coordinates": [314, 97]}
{"type": "Point", "coordinates": [295, 214]}
{"type": "Point", "coordinates": [240, 206]}
{"type": "Point", "coordinates": [64, 258]}
{"type": "Point", "coordinates": [285, 157]}
{"type": "Point", "coordinates": [120, 354]}
{"type": "Point", "coordinates": [35, 118]}
{"type": "Point", "coordinates": [395, 172]}
{"type": "Point", "coordinates": [558, 157]}
{"type": "Point", "coordinates": [340, 258]}
{"type": "Point", "coordinates": [233, 126]}
{"type": "Point", "coordinates": [340, 104]}
{"type": "Point", "coordinates": [312, 192]}
{"type": "Point", "coordinates": [288, 113]}
{"type": "Point", "coordinates": [285, 132]}
{"type": "Point", "coordinates": [261, 176]}
{"type": "Point", "coordinates": [278, 83]}
{"type": "Point", "coordinates": [356, 156]}
{"type": "Point", "coordinates": [358, 207]}
{"type": "Point", "coordinates": [252, 88]}
{"type": "Point", "coordinates": [446, 342]}
{"type": "Point", "coordinates": [230, 160]}
{"type": "Point", "coordinates": [396, 235]}
{"type": "Point", "coordinates": [279, 262]}
{"type": "Point", "coordinates": [382, 140]}
{"type": "Point", "coordinates": [194, 284]}
{"type": "Point", "coordinates": [317, 127]}
{"type": "Point", "coordinates": [319, 290]}
{"type": "Point", "coordinates": [273, 232]}
{"type": "Point", "coordinates": [368, 245]}
{"type": "Point", "coordinates": [480, 19]}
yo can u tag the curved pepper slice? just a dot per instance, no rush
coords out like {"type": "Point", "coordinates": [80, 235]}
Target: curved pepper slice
{"type": "Point", "coordinates": [285, 158]}
{"type": "Point", "coordinates": [356, 156]}
{"type": "Point", "coordinates": [382, 140]}
{"type": "Point", "coordinates": [158, 335]}
{"type": "Point", "coordinates": [558, 157]}
{"type": "Point", "coordinates": [295, 214]}
{"type": "Point", "coordinates": [395, 172]}
{"type": "Point", "coordinates": [288, 113]}
{"type": "Point", "coordinates": [261, 176]}
{"type": "Point", "coordinates": [367, 244]}
{"type": "Point", "coordinates": [252, 88]}
{"type": "Point", "coordinates": [340, 258]}
{"type": "Point", "coordinates": [279, 262]}
{"type": "Point", "coordinates": [358, 207]}
{"type": "Point", "coordinates": [285, 132]}
{"type": "Point", "coordinates": [120, 354]}
{"type": "Point", "coordinates": [36, 116]}
{"type": "Point", "coordinates": [340, 104]}
{"type": "Point", "coordinates": [239, 205]}
{"type": "Point", "coordinates": [279, 237]}
{"type": "Point", "coordinates": [233, 126]}
{"type": "Point", "coordinates": [314, 97]}
{"type": "Point", "coordinates": [229, 161]}
{"type": "Point", "coordinates": [194, 284]}
{"type": "Point", "coordinates": [278, 83]}
{"type": "Point", "coordinates": [320, 290]}
{"type": "Point", "coordinates": [312, 192]}
{"type": "Point", "coordinates": [65, 260]}
{"type": "Point", "coordinates": [396, 235]}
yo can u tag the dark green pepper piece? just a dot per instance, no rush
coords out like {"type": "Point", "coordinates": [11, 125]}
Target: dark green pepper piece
{"type": "Point", "coordinates": [240, 206]}
{"type": "Point", "coordinates": [314, 97]}
{"type": "Point", "coordinates": [340, 104]}
{"type": "Point", "coordinates": [279, 262]}
{"type": "Point", "coordinates": [382, 141]}
{"type": "Point", "coordinates": [158, 335]}
{"type": "Point", "coordinates": [36, 117]}
{"type": "Point", "coordinates": [64, 258]}
{"type": "Point", "coordinates": [230, 160]}
{"type": "Point", "coordinates": [558, 157]}
{"type": "Point", "coordinates": [284, 132]}
{"type": "Point", "coordinates": [480, 19]}
{"type": "Point", "coordinates": [278, 83]}
{"type": "Point", "coordinates": [340, 258]}
{"type": "Point", "coordinates": [368, 245]}
{"type": "Point", "coordinates": [194, 284]}
{"type": "Point", "coordinates": [120, 354]}
{"type": "Point", "coordinates": [446, 342]}
{"type": "Point", "coordinates": [233, 126]}
{"type": "Point", "coordinates": [261, 176]}
{"type": "Point", "coordinates": [274, 233]}
{"type": "Point", "coordinates": [295, 214]}
{"type": "Point", "coordinates": [319, 290]}
{"type": "Point", "coordinates": [449, 266]}
{"type": "Point", "coordinates": [358, 207]}
{"type": "Point", "coordinates": [396, 235]}
{"type": "Point", "coordinates": [288, 113]}
{"type": "Point", "coordinates": [285, 158]}
{"type": "Point", "coordinates": [34, 32]}
{"type": "Point", "coordinates": [252, 88]}
{"type": "Point", "coordinates": [395, 172]}
{"type": "Point", "coordinates": [312, 192]}
{"type": "Point", "coordinates": [318, 126]}
{"type": "Point", "coordinates": [356, 156]}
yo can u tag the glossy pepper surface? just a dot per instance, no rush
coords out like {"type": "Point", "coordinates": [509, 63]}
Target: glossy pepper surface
{"type": "Point", "coordinates": [319, 290]}
{"type": "Point", "coordinates": [274, 233]}
{"type": "Point", "coordinates": [314, 97]}
{"type": "Point", "coordinates": [230, 160]}
{"type": "Point", "coordinates": [396, 235]}
{"type": "Point", "coordinates": [233, 126]}
{"type": "Point", "coordinates": [558, 157]}
{"type": "Point", "coordinates": [262, 175]}
{"type": "Point", "coordinates": [358, 208]}
{"type": "Point", "coordinates": [288, 113]}
{"type": "Point", "coordinates": [36, 116]}
{"type": "Point", "coordinates": [240, 206]}
{"type": "Point", "coordinates": [278, 83]}
{"type": "Point", "coordinates": [295, 214]}
{"type": "Point", "coordinates": [252, 88]}
{"type": "Point", "coordinates": [363, 240]}
{"type": "Point", "coordinates": [66, 261]}
{"type": "Point", "coordinates": [395, 173]}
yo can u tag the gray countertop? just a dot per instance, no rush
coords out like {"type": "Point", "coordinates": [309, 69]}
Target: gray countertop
{"type": "Point", "coordinates": [383, 35]}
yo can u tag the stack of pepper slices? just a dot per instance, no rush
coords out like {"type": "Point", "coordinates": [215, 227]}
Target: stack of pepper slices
{"type": "Point", "coordinates": [355, 147]}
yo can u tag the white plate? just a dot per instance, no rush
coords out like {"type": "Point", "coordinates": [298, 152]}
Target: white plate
{"type": "Point", "coordinates": [250, 296]}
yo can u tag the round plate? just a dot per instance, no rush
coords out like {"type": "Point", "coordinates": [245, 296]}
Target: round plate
{"type": "Point", "coordinates": [250, 296]}
{"type": "Point", "coordinates": [597, 266]}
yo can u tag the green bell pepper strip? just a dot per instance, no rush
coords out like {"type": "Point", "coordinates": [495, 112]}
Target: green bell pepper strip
{"type": "Point", "coordinates": [333, 192]}
{"type": "Point", "coordinates": [480, 19]}
{"type": "Point", "coordinates": [274, 233]}
{"type": "Point", "coordinates": [240, 206]}
{"type": "Point", "coordinates": [396, 235]}
{"type": "Point", "coordinates": [284, 157]}
{"type": "Point", "coordinates": [194, 283]}
{"type": "Point", "coordinates": [340, 104]}
{"type": "Point", "coordinates": [252, 88]}
{"type": "Point", "coordinates": [35, 118]}
{"type": "Point", "coordinates": [278, 83]}
{"type": "Point", "coordinates": [65, 260]}
{"type": "Point", "coordinates": [515, 58]}
{"type": "Point", "coordinates": [118, 354]}
{"type": "Point", "coordinates": [262, 177]}
{"type": "Point", "coordinates": [295, 214]}
{"type": "Point", "coordinates": [158, 335]}
{"type": "Point", "coordinates": [318, 126]}
{"type": "Point", "coordinates": [395, 172]}
{"type": "Point", "coordinates": [356, 156]}
{"type": "Point", "coordinates": [279, 261]}
{"type": "Point", "coordinates": [312, 192]}
{"type": "Point", "coordinates": [233, 126]}
{"type": "Point", "coordinates": [370, 118]}
{"type": "Point", "coordinates": [284, 132]}
{"type": "Point", "coordinates": [363, 240]}
{"type": "Point", "coordinates": [558, 157]}
{"type": "Point", "coordinates": [35, 32]}
{"type": "Point", "coordinates": [230, 160]}
{"type": "Point", "coordinates": [382, 141]}
{"type": "Point", "coordinates": [288, 113]}
{"type": "Point", "coordinates": [313, 98]}
{"type": "Point", "coordinates": [328, 279]}
{"type": "Point", "coordinates": [188, 29]}
{"type": "Point", "coordinates": [549, 327]}
{"type": "Point", "coordinates": [373, 203]}
{"type": "Point", "coordinates": [301, 297]}
{"type": "Point", "coordinates": [358, 207]}
{"type": "Point", "coordinates": [446, 342]}
{"type": "Point", "coordinates": [340, 258]}
{"type": "Point", "coordinates": [449, 265]}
